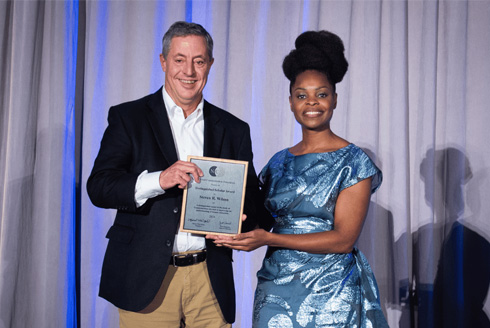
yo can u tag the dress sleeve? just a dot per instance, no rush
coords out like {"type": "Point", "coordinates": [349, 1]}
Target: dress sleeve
{"type": "Point", "coordinates": [360, 167]}
{"type": "Point", "coordinates": [273, 163]}
{"type": "Point", "coordinates": [262, 176]}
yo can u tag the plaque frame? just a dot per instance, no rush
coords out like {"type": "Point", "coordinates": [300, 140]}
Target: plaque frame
{"type": "Point", "coordinates": [208, 197]}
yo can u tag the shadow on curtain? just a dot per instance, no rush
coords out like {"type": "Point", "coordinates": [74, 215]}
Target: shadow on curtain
{"type": "Point", "coordinates": [457, 295]}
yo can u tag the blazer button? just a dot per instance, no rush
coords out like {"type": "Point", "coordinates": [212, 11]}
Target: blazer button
{"type": "Point", "coordinates": [176, 210]}
{"type": "Point", "coordinates": [169, 243]}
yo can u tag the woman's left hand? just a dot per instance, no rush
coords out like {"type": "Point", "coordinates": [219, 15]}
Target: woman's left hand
{"type": "Point", "coordinates": [247, 241]}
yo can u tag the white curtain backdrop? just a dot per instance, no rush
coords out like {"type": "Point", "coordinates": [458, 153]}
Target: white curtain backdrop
{"type": "Point", "coordinates": [416, 98]}
{"type": "Point", "coordinates": [37, 168]}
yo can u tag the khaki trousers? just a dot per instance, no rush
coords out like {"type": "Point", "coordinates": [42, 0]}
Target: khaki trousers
{"type": "Point", "coordinates": [185, 299]}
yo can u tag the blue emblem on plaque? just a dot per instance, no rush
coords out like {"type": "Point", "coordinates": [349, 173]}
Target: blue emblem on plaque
{"type": "Point", "coordinates": [216, 171]}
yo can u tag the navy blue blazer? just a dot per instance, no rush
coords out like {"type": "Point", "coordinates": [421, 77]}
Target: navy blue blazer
{"type": "Point", "coordinates": [141, 240]}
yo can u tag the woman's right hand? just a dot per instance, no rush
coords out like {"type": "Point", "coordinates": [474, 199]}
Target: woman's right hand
{"type": "Point", "coordinates": [247, 241]}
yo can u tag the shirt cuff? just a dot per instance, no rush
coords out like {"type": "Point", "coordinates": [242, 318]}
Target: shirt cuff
{"type": "Point", "coordinates": [147, 186]}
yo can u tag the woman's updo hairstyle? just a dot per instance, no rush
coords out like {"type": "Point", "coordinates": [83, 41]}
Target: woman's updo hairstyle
{"type": "Point", "coordinates": [322, 51]}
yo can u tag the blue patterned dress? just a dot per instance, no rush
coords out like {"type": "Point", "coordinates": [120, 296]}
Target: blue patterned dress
{"type": "Point", "coordinates": [300, 289]}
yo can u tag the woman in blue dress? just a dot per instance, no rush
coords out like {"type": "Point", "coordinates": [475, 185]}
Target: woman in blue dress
{"type": "Point", "coordinates": [318, 193]}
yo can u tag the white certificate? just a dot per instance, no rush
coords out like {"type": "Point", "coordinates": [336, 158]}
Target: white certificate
{"type": "Point", "coordinates": [215, 205]}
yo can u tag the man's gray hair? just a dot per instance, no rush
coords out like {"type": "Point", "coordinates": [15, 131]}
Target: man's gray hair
{"type": "Point", "coordinates": [184, 29]}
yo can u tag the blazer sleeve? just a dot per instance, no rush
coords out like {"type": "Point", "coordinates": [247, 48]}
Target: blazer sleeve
{"type": "Point", "coordinates": [253, 207]}
{"type": "Point", "coordinates": [111, 183]}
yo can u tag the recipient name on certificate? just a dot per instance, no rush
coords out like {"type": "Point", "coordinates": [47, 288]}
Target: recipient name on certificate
{"type": "Point", "coordinates": [215, 205]}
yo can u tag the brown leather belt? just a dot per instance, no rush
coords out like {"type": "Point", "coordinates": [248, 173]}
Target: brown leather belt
{"type": "Point", "coordinates": [183, 260]}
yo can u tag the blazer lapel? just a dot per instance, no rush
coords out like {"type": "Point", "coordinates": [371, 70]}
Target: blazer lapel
{"type": "Point", "coordinates": [213, 132]}
{"type": "Point", "coordinates": [157, 116]}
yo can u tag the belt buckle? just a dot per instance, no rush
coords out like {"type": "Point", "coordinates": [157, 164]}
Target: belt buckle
{"type": "Point", "coordinates": [194, 257]}
{"type": "Point", "coordinates": [175, 257]}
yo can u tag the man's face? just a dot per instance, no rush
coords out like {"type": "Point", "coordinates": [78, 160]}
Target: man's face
{"type": "Point", "coordinates": [186, 70]}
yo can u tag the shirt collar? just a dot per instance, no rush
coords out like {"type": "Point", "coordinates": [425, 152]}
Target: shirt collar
{"type": "Point", "coordinates": [173, 109]}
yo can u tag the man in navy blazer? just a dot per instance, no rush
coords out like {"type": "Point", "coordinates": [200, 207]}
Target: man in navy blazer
{"type": "Point", "coordinates": [154, 274]}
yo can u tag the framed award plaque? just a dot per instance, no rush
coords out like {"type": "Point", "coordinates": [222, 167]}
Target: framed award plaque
{"type": "Point", "coordinates": [215, 205]}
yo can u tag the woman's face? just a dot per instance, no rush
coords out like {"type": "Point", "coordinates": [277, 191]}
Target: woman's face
{"type": "Point", "coordinates": [313, 100]}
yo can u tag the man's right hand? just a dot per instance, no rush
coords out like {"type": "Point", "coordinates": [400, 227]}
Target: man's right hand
{"type": "Point", "coordinates": [179, 174]}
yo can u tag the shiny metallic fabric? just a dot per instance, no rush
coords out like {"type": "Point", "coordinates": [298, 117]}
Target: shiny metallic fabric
{"type": "Point", "coordinates": [300, 289]}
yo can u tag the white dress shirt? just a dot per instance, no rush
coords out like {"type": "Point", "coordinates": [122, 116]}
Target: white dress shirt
{"type": "Point", "coordinates": [188, 136]}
